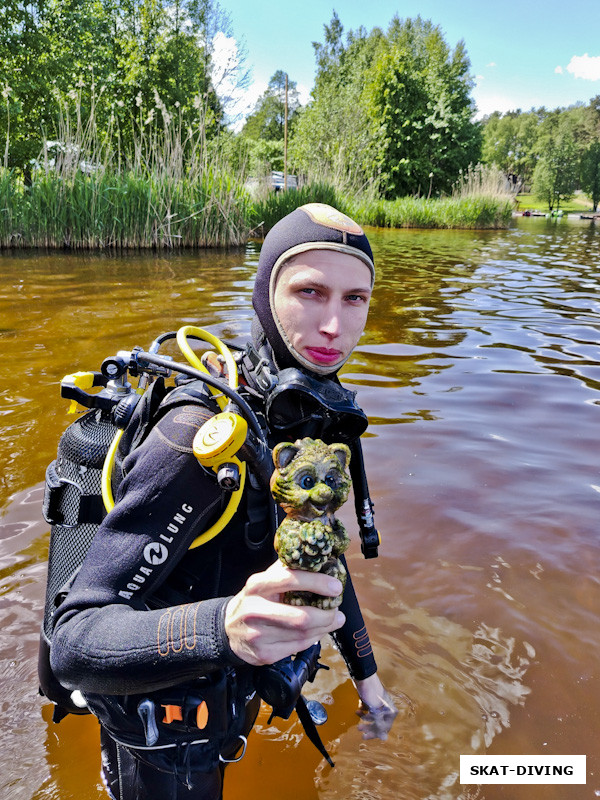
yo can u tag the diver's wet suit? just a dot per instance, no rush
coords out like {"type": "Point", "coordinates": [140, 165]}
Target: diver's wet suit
{"type": "Point", "coordinates": [142, 628]}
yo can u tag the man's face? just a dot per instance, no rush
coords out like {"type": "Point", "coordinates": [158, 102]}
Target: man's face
{"type": "Point", "coordinates": [321, 300]}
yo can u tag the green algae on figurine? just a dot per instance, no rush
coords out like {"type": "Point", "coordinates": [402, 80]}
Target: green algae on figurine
{"type": "Point", "coordinates": [310, 483]}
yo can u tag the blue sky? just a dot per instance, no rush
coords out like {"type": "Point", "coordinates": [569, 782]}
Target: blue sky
{"type": "Point", "coordinates": [523, 54]}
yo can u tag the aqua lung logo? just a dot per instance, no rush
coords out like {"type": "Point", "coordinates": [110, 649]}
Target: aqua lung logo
{"type": "Point", "coordinates": [156, 553]}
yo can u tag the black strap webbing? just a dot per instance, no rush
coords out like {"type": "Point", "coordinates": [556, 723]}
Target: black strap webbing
{"type": "Point", "coordinates": [311, 729]}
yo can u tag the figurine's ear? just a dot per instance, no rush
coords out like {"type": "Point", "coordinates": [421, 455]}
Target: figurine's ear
{"type": "Point", "coordinates": [342, 452]}
{"type": "Point", "coordinates": [283, 453]}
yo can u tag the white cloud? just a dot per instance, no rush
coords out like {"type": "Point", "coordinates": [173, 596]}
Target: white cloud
{"type": "Point", "coordinates": [558, 70]}
{"type": "Point", "coordinates": [303, 94]}
{"type": "Point", "coordinates": [228, 77]}
{"type": "Point", "coordinates": [586, 67]}
{"type": "Point", "coordinates": [225, 61]}
{"type": "Point", "coordinates": [492, 64]}
{"type": "Point", "coordinates": [488, 102]}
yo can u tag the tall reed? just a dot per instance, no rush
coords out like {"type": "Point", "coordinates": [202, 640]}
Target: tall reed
{"type": "Point", "coordinates": [265, 213]}
{"type": "Point", "coordinates": [170, 190]}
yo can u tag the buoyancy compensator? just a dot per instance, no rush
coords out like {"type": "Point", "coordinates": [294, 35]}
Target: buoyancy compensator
{"type": "Point", "coordinates": [80, 481]}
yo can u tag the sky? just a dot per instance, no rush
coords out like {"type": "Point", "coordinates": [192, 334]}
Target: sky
{"type": "Point", "coordinates": [523, 54]}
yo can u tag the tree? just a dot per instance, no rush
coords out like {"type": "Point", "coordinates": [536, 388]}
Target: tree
{"type": "Point", "coordinates": [590, 172]}
{"type": "Point", "coordinates": [267, 121]}
{"type": "Point", "coordinates": [331, 139]}
{"type": "Point", "coordinates": [395, 106]}
{"type": "Point", "coordinates": [509, 142]}
{"type": "Point", "coordinates": [555, 175]}
{"type": "Point", "coordinates": [125, 61]}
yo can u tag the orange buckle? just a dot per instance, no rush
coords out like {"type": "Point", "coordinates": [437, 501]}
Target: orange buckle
{"type": "Point", "coordinates": [202, 715]}
{"type": "Point", "coordinates": [173, 714]}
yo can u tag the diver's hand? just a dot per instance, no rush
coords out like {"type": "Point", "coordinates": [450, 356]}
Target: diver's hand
{"type": "Point", "coordinates": [262, 629]}
{"type": "Point", "coordinates": [376, 709]}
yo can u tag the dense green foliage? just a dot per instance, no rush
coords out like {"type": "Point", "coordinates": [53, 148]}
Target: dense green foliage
{"type": "Point", "coordinates": [390, 110]}
{"type": "Point", "coordinates": [120, 139]}
{"type": "Point", "coordinates": [554, 152]}
{"type": "Point", "coordinates": [555, 174]}
{"type": "Point", "coordinates": [125, 60]}
{"type": "Point", "coordinates": [590, 172]}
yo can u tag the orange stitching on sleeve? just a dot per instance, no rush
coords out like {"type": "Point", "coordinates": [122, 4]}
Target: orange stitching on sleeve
{"type": "Point", "coordinates": [164, 627]}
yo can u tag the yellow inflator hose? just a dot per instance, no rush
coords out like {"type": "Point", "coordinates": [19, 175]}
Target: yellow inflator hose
{"type": "Point", "coordinates": [232, 379]}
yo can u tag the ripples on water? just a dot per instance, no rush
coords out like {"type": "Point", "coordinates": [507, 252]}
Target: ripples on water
{"type": "Point", "coordinates": [479, 372]}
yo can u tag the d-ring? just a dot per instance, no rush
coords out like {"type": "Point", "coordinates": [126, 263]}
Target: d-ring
{"type": "Point", "coordinates": [239, 758]}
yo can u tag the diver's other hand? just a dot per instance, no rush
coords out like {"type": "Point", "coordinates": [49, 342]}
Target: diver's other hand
{"type": "Point", "coordinates": [376, 708]}
{"type": "Point", "coordinates": [262, 630]}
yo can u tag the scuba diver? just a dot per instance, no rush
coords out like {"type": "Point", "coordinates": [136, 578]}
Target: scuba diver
{"type": "Point", "coordinates": [167, 635]}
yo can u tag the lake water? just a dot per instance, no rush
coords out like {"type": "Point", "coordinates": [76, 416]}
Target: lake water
{"type": "Point", "coordinates": [480, 373]}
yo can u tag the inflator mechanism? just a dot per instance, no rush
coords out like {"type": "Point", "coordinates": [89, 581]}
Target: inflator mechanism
{"type": "Point", "coordinates": [216, 445]}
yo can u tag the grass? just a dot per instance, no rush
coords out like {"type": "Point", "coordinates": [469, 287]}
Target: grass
{"type": "Point", "coordinates": [579, 204]}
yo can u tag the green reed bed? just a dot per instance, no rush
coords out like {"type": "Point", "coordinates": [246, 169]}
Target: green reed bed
{"type": "Point", "coordinates": [9, 202]}
{"type": "Point", "coordinates": [409, 212]}
{"type": "Point", "coordinates": [111, 210]}
{"type": "Point", "coordinates": [265, 213]}
{"type": "Point", "coordinates": [480, 199]}
{"type": "Point", "coordinates": [470, 212]}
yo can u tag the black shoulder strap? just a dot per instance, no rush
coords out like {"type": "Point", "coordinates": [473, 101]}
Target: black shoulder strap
{"type": "Point", "coordinates": [156, 401]}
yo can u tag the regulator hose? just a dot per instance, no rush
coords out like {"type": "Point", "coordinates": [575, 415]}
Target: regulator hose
{"type": "Point", "coordinates": [218, 388]}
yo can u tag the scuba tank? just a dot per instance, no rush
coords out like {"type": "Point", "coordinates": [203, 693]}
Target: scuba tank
{"type": "Point", "coordinates": [73, 507]}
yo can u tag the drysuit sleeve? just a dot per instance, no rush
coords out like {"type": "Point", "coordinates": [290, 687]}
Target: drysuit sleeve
{"type": "Point", "coordinates": [106, 638]}
{"type": "Point", "coordinates": [352, 639]}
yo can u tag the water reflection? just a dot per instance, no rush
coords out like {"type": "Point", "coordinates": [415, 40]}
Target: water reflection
{"type": "Point", "coordinates": [479, 374]}
{"type": "Point", "coordinates": [457, 690]}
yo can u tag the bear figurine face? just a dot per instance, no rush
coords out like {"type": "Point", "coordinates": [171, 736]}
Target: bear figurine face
{"type": "Point", "coordinates": [310, 480]}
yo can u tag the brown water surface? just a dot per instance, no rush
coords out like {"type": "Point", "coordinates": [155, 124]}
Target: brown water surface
{"type": "Point", "coordinates": [480, 374]}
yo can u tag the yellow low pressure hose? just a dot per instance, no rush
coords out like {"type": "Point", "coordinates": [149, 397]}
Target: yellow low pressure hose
{"type": "Point", "coordinates": [107, 469]}
{"type": "Point", "coordinates": [222, 349]}
{"type": "Point", "coordinates": [232, 379]}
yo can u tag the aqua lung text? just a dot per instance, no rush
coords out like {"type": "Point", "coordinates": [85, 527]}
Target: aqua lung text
{"type": "Point", "coordinates": [157, 552]}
